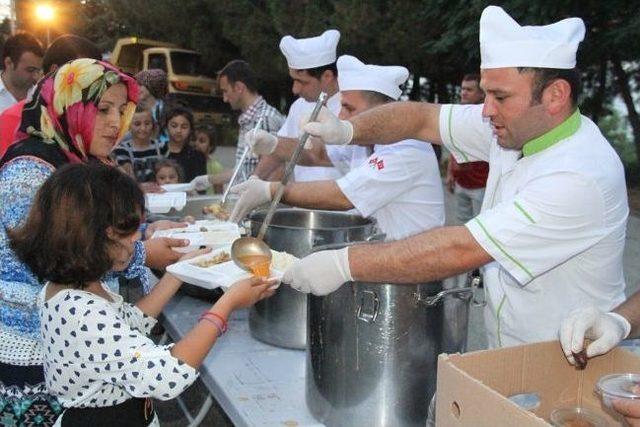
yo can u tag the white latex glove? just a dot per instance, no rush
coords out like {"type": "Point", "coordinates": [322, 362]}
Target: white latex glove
{"type": "Point", "coordinates": [330, 129]}
{"type": "Point", "coordinates": [253, 193]}
{"type": "Point", "coordinates": [261, 141]}
{"type": "Point", "coordinates": [605, 329]}
{"type": "Point", "coordinates": [319, 273]}
{"type": "Point", "coordinates": [201, 183]}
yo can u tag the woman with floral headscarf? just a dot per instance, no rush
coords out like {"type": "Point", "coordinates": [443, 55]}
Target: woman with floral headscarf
{"type": "Point", "coordinates": [76, 114]}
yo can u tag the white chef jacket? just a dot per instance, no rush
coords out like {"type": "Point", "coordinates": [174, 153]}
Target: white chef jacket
{"type": "Point", "coordinates": [553, 218]}
{"type": "Point", "coordinates": [6, 98]}
{"type": "Point", "coordinates": [400, 186]}
{"type": "Point", "coordinates": [342, 157]}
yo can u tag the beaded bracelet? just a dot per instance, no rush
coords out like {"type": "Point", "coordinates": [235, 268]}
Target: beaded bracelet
{"type": "Point", "coordinates": [211, 314]}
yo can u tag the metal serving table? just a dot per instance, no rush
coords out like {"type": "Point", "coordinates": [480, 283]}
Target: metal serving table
{"type": "Point", "coordinates": [256, 384]}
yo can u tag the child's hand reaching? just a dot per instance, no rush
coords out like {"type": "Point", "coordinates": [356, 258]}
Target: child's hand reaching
{"type": "Point", "coordinates": [247, 292]}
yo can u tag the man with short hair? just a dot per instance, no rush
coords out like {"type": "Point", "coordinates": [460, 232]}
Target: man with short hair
{"type": "Point", "coordinates": [21, 68]}
{"type": "Point", "coordinates": [239, 86]}
{"type": "Point", "coordinates": [468, 180]}
{"type": "Point", "coordinates": [399, 185]}
{"type": "Point", "coordinates": [63, 49]}
{"type": "Point", "coordinates": [552, 228]}
{"type": "Point", "coordinates": [312, 67]}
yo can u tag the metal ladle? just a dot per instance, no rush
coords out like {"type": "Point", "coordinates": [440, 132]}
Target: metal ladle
{"type": "Point", "coordinates": [246, 246]}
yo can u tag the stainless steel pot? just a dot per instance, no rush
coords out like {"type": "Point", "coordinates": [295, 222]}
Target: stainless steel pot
{"type": "Point", "coordinates": [281, 319]}
{"type": "Point", "coordinates": [372, 353]}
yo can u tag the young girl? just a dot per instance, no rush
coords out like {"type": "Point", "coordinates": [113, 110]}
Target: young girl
{"type": "Point", "coordinates": [97, 360]}
{"type": "Point", "coordinates": [168, 172]}
{"type": "Point", "coordinates": [205, 143]}
{"type": "Point", "coordinates": [138, 155]}
{"type": "Point", "coordinates": [180, 128]}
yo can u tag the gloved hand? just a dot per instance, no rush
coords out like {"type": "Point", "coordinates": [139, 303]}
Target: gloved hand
{"type": "Point", "coordinates": [253, 193]}
{"type": "Point", "coordinates": [319, 273]}
{"type": "Point", "coordinates": [330, 129]}
{"type": "Point", "coordinates": [261, 141]}
{"type": "Point", "coordinates": [201, 183]}
{"type": "Point", "coordinates": [605, 329]}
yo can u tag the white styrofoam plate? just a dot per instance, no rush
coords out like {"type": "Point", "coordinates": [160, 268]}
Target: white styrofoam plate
{"type": "Point", "coordinates": [220, 275]}
{"type": "Point", "coordinates": [187, 186]}
{"type": "Point", "coordinates": [164, 202]}
{"type": "Point", "coordinates": [220, 236]}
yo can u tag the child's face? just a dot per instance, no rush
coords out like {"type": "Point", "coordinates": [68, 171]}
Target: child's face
{"type": "Point", "coordinates": [122, 249]}
{"type": "Point", "coordinates": [167, 175]}
{"type": "Point", "coordinates": [179, 129]}
{"type": "Point", "coordinates": [142, 126]}
{"type": "Point", "coordinates": [203, 144]}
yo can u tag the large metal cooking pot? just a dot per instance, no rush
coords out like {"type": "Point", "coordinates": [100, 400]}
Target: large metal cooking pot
{"type": "Point", "coordinates": [281, 320]}
{"type": "Point", "coordinates": [372, 353]}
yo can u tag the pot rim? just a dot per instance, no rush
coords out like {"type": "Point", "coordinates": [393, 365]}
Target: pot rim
{"type": "Point", "coordinates": [370, 221]}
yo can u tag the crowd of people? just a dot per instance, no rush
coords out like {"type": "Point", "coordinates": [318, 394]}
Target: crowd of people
{"type": "Point", "coordinates": [540, 194]}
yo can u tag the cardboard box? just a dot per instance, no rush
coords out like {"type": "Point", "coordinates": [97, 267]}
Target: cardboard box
{"type": "Point", "coordinates": [473, 387]}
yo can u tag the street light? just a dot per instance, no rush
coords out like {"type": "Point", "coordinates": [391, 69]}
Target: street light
{"type": "Point", "coordinates": [45, 13]}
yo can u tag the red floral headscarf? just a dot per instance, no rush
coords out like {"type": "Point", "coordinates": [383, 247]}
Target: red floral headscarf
{"type": "Point", "coordinates": [63, 108]}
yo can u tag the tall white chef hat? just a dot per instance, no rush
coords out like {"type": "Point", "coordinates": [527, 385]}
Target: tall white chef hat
{"type": "Point", "coordinates": [385, 79]}
{"type": "Point", "coordinates": [504, 43]}
{"type": "Point", "coordinates": [303, 54]}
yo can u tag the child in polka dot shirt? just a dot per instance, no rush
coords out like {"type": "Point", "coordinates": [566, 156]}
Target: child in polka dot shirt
{"type": "Point", "coordinates": [98, 361]}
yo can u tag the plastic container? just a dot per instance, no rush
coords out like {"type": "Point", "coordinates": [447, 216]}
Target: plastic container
{"type": "Point", "coordinates": [576, 416]}
{"type": "Point", "coordinates": [618, 386]}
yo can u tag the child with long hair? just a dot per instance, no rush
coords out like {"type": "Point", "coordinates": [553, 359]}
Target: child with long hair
{"type": "Point", "coordinates": [98, 361]}
{"type": "Point", "coordinates": [180, 128]}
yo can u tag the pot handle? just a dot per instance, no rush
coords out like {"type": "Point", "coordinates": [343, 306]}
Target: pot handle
{"type": "Point", "coordinates": [461, 293]}
{"type": "Point", "coordinates": [369, 317]}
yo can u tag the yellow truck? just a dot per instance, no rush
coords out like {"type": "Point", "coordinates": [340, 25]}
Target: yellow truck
{"type": "Point", "coordinates": [187, 84]}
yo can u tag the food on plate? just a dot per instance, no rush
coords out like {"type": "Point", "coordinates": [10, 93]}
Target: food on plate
{"type": "Point", "coordinates": [217, 210]}
{"type": "Point", "coordinates": [581, 359]}
{"type": "Point", "coordinates": [218, 258]}
{"type": "Point", "coordinates": [258, 264]}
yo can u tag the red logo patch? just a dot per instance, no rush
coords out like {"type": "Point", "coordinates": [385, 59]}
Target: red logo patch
{"type": "Point", "coordinates": [376, 163]}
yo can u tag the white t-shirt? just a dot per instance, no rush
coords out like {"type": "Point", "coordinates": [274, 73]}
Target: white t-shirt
{"type": "Point", "coordinates": [342, 157]}
{"type": "Point", "coordinates": [400, 186]}
{"type": "Point", "coordinates": [554, 220]}
{"type": "Point", "coordinates": [6, 98]}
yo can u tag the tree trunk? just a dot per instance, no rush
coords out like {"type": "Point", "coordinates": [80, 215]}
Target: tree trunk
{"type": "Point", "coordinates": [623, 83]}
{"type": "Point", "coordinates": [414, 95]}
{"type": "Point", "coordinates": [600, 92]}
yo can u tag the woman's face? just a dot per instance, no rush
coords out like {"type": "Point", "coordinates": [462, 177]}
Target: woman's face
{"type": "Point", "coordinates": [167, 175]}
{"type": "Point", "coordinates": [122, 249]}
{"type": "Point", "coordinates": [202, 144]}
{"type": "Point", "coordinates": [142, 126]}
{"type": "Point", "coordinates": [111, 107]}
{"type": "Point", "coordinates": [179, 129]}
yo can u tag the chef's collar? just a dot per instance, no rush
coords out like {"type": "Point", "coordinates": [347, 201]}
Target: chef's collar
{"type": "Point", "coordinates": [562, 131]}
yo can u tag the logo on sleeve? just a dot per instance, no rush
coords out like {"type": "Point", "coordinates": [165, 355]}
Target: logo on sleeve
{"type": "Point", "coordinates": [376, 163]}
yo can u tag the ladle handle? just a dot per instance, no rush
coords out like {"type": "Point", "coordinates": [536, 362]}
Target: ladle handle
{"type": "Point", "coordinates": [240, 163]}
{"type": "Point", "coordinates": [289, 168]}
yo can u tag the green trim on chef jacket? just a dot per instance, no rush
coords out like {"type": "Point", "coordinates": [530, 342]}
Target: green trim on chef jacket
{"type": "Point", "coordinates": [525, 213]}
{"type": "Point", "coordinates": [499, 324]}
{"type": "Point", "coordinates": [462, 153]}
{"type": "Point", "coordinates": [562, 131]}
{"type": "Point", "coordinates": [495, 242]}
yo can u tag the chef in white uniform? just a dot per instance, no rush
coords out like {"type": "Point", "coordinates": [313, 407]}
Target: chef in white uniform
{"type": "Point", "coordinates": [551, 231]}
{"type": "Point", "coordinates": [312, 67]}
{"type": "Point", "coordinates": [399, 185]}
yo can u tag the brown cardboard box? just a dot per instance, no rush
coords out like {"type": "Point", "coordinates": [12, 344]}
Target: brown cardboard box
{"type": "Point", "coordinates": [473, 387]}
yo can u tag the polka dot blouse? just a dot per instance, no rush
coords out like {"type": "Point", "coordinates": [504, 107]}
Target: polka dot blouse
{"type": "Point", "coordinates": [96, 352]}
